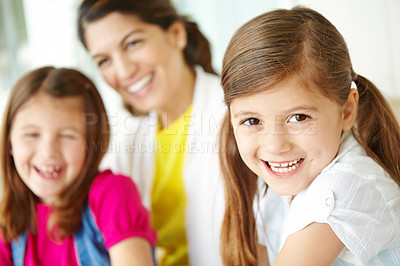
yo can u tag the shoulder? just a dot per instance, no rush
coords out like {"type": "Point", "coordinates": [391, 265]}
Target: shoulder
{"type": "Point", "coordinates": [359, 200]}
{"type": "Point", "coordinates": [208, 84]}
{"type": "Point", "coordinates": [353, 173]}
{"type": "Point", "coordinates": [206, 77]}
{"type": "Point", "coordinates": [108, 180]}
{"type": "Point", "coordinates": [117, 209]}
{"type": "Point", "coordinates": [357, 176]}
{"type": "Point", "coordinates": [356, 185]}
{"type": "Point", "coordinates": [208, 94]}
{"type": "Point", "coordinates": [109, 186]}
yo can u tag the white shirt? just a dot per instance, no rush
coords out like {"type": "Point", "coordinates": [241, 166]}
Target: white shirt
{"type": "Point", "coordinates": [358, 199]}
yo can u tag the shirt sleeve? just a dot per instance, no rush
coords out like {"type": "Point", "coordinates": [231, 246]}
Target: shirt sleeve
{"type": "Point", "coordinates": [361, 208]}
{"type": "Point", "coordinates": [116, 205]}
{"type": "Point", "coordinates": [5, 253]}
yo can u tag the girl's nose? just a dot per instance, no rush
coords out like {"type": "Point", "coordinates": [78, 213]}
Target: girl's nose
{"type": "Point", "coordinates": [276, 140]}
{"type": "Point", "coordinates": [49, 147]}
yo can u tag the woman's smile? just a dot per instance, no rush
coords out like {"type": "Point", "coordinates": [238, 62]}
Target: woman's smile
{"type": "Point", "coordinates": [140, 85]}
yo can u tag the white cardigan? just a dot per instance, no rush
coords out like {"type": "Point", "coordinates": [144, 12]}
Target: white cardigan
{"type": "Point", "coordinates": [132, 153]}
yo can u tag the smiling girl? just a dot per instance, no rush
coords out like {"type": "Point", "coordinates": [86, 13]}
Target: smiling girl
{"type": "Point", "coordinates": [319, 135]}
{"type": "Point", "coordinates": [58, 209]}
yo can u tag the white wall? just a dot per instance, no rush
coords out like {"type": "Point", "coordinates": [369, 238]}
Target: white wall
{"type": "Point", "coordinates": [219, 19]}
{"type": "Point", "coordinates": [53, 40]}
{"type": "Point", "coordinates": [371, 29]}
{"type": "Point", "coordinates": [51, 32]}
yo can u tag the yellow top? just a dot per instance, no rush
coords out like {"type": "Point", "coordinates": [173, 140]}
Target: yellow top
{"type": "Point", "coordinates": [168, 199]}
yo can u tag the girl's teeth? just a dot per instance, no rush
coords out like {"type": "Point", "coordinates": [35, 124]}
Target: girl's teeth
{"type": "Point", "coordinates": [284, 164]}
{"type": "Point", "coordinates": [284, 167]}
{"type": "Point", "coordinates": [49, 171]}
{"type": "Point", "coordinates": [141, 84]}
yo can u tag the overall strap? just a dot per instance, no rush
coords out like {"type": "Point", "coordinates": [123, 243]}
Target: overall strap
{"type": "Point", "coordinates": [18, 249]}
{"type": "Point", "coordinates": [89, 241]}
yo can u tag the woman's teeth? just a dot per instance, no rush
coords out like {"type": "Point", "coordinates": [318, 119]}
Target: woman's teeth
{"type": "Point", "coordinates": [284, 167]}
{"type": "Point", "coordinates": [141, 84]}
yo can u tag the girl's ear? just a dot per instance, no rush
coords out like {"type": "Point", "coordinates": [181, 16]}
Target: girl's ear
{"type": "Point", "coordinates": [349, 110]}
{"type": "Point", "coordinates": [178, 33]}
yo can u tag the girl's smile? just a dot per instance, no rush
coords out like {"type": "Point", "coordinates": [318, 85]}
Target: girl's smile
{"type": "Point", "coordinates": [284, 169]}
{"type": "Point", "coordinates": [49, 171]}
{"type": "Point", "coordinates": [287, 135]}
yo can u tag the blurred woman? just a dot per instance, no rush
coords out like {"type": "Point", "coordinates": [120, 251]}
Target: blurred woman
{"type": "Point", "coordinates": [160, 64]}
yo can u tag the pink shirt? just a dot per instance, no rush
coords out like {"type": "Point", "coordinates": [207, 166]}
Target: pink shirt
{"type": "Point", "coordinates": [116, 206]}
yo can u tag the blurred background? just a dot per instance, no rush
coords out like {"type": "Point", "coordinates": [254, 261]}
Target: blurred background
{"type": "Point", "coordinates": [35, 33]}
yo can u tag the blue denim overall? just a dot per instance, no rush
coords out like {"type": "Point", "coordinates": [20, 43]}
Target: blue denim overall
{"type": "Point", "coordinates": [88, 240]}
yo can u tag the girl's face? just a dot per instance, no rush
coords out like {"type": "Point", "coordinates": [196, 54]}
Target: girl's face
{"type": "Point", "coordinates": [142, 62]}
{"type": "Point", "coordinates": [289, 134]}
{"type": "Point", "coordinates": [48, 144]}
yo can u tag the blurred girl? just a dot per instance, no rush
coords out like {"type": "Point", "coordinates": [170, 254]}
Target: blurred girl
{"type": "Point", "coordinates": [58, 209]}
{"type": "Point", "coordinates": [160, 64]}
{"type": "Point", "coordinates": [316, 132]}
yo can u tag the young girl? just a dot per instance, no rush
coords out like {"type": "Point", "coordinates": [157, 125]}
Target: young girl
{"type": "Point", "coordinates": [314, 131]}
{"type": "Point", "coordinates": [57, 208]}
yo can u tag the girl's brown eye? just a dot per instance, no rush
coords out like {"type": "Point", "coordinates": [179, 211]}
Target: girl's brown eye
{"type": "Point", "coordinates": [298, 118]}
{"type": "Point", "coordinates": [301, 117]}
{"type": "Point", "coordinates": [252, 122]}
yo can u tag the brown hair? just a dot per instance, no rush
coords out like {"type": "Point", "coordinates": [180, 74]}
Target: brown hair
{"type": "Point", "coordinates": [158, 12]}
{"type": "Point", "coordinates": [18, 206]}
{"type": "Point", "coordinates": [265, 52]}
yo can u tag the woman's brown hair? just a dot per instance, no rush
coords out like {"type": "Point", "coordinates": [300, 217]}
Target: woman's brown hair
{"type": "Point", "coordinates": [18, 206]}
{"type": "Point", "coordinates": [268, 50]}
{"type": "Point", "coordinates": [157, 12]}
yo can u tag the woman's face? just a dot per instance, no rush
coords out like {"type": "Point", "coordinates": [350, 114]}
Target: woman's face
{"type": "Point", "coordinates": [141, 61]}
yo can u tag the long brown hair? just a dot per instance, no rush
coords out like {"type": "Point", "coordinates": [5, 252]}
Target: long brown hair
{"type": "Point", "coordinates": [158, 12]}
{"type": "Point", "coordinates": [265, 52]}
{"type": "Point", "coordinates": [18, 206]}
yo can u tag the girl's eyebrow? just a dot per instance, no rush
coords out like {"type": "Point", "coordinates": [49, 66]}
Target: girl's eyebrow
{"type": "Point", "coordinates": [307, 108]}
{"type": "Point", "coordinates": [32, 126]}
{"type": "Point", "coordinates": [28, 126]}
{"type": "Point", "coordinates": [245, 113]}
{"type": "Point", "coordinates": [70, 129]}
{"type": "Point", "coordinates": [128, 35]}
